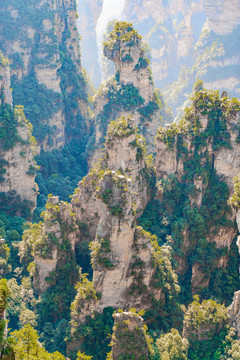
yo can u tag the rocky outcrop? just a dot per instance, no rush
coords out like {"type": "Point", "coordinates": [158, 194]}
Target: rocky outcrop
{"type": "Point", "coordinates": [45, 62]}
{"type": "Point", "coordinates": [5, 81]}
{"type": "Point", "coordinates": [17, 147]}
{"type": "Point", "coordinates": [131, 91]}
{"type": "Point", "coordinates": [179, 146]}
{"type": "Point", "coordinates": [127, 261]}
{"type": "Point", "coordinates": [47, 242]}
{"type": "Point", "coordinates": [19, 163]}
{"type": "Point", "coordinates": [129, 337]}
{"type": "Point", "coordinates": [234, 312]}
{"type": "Point", "coordinates": [203, 320]}
{"type": "Point", "coordinates": [182, 37]}
{"type": "Point", "coordinates": [129, 267]}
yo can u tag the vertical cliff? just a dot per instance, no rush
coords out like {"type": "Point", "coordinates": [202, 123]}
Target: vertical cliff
{"type": "Point", "coordinates": [129, 267]}
{"type": "Point", "coordinates": [131, 91]}
{"type": "Point", "coordinates": [42, 43]}
{"type": "Point", "coordinates": [17, 149]}
{"type": "Point", "coordinates": [5, 81]}
{"type": "Point", "coordinates": [196, 161]}
{"type": "Point", "coordinates": [188, 40]}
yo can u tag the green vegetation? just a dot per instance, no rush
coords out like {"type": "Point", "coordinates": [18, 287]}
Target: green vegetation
{"type": "Point", "coordinates": [123, 32]}
{"type": "Point", "coordinates": [27, 345]}
{"type": "Point", "coordinates": [95, 334]}
{"type": "Point", "coordinates": [180, 214]}
{"type": "Point", "coordinates": [3, 60]}
{"type": "Point", "coordinates": [203, 319]}
{"type": "Point", "coordinates": [100, 250]}
{"type": "Point", "coordinates": [120, 97]}
{"type": "Point", "coordinates": [38, 108]}
{"type": "Point", "coordinates": [142, 64]}
{"type": "Point", "coordinates": [120, 128]}
{"type": "Point", "coordinates": [129, 339]}
{"type": "Point", "coordinates": [235, 199]}
{"type": "Point", "coordinates": [8, 129]}
{"type": "Point", "coordinates": [205, 327]}
{"type": "Point", "coordinates": [172, 346]}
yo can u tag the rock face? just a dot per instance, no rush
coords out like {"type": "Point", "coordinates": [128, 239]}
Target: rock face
{"type": "Point", "coordinates": [40, 65]}
{"type": "Point", "coordinates": [131, 91]}
{"type": "Point", "coordinates": [17, 159]}
{"type": "Point", "coordinates": [5, 82]}
{"type": "Point", "coordinates": [234, 312]}
{"type": "Point", "coordinates": [129, 337]}
{"type": "Point", "coordinates": [183, 159]}
{"type": "Point", "coordinates": [234, 308]}
{"type": "Point", "coordinates": [182, 37]}
{"type": "Point", "coordinates": [127, 261]}
{"type": "Point", "coordinates": [129, 267]}
{"type": "Point", "coordinates": [20, 164]}
{"type": "Point", "coordinates": [47, 242]}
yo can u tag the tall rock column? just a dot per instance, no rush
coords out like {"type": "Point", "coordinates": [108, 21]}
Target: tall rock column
{"type": "Point", "coordinates": [131, 91]}
{"type": "Point", "coordinates": [17, 149]}
{"type": "Point", "coordinates": [129, 267]}
{"type": "Point", "coordinates": [196, 161]}
{"type": "Point", "coordinates": [129, 337]}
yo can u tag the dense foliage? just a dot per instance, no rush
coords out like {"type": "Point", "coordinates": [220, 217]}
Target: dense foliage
{"type": "Point", "coordinates": [178, 211]}
{"type": "Point", "coordinates": [185, 213]}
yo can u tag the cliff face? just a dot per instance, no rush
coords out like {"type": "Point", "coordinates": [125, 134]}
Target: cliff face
{"type": "Point", "coordinates": [17, 148]}
{"type": "Point", "coordinates": [43, 64]}
{"type": "Point", "coordinates": [129, 267]}
{"type": "Point", "coordinates": [5, 82]}
{"type": "Point", "coordinates": [196, 161]}
{"type": "Point", "coordinates": [234, 308]}
{"type": "Point", "coordinates": [20, 165]}
{"type": "Point", "coordinates": [131, 91]}
{"type": "Point", "coordinates": [188, 40]}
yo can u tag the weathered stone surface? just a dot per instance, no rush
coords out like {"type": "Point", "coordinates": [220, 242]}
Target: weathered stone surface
{"type": "Point", "coordinates": [129, 337]}
{"type": "Point", "coordinates": [178, 33]}
{"type": "Point", "coordinates": [128, 58]}
{"type": "Point", "coordinates": [225, 160]}
{"type": "Point", "coordinates": [39, 52]}
{"type": "Point", "coordinates": [20, 160]}
{"type": "Point", "coordinates": [234, 312]}
{"type": "Point", "coordinates": [5, 85]}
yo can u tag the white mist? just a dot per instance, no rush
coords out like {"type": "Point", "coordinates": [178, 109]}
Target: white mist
{"type": "Point", "coordinates": [111, 10]}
